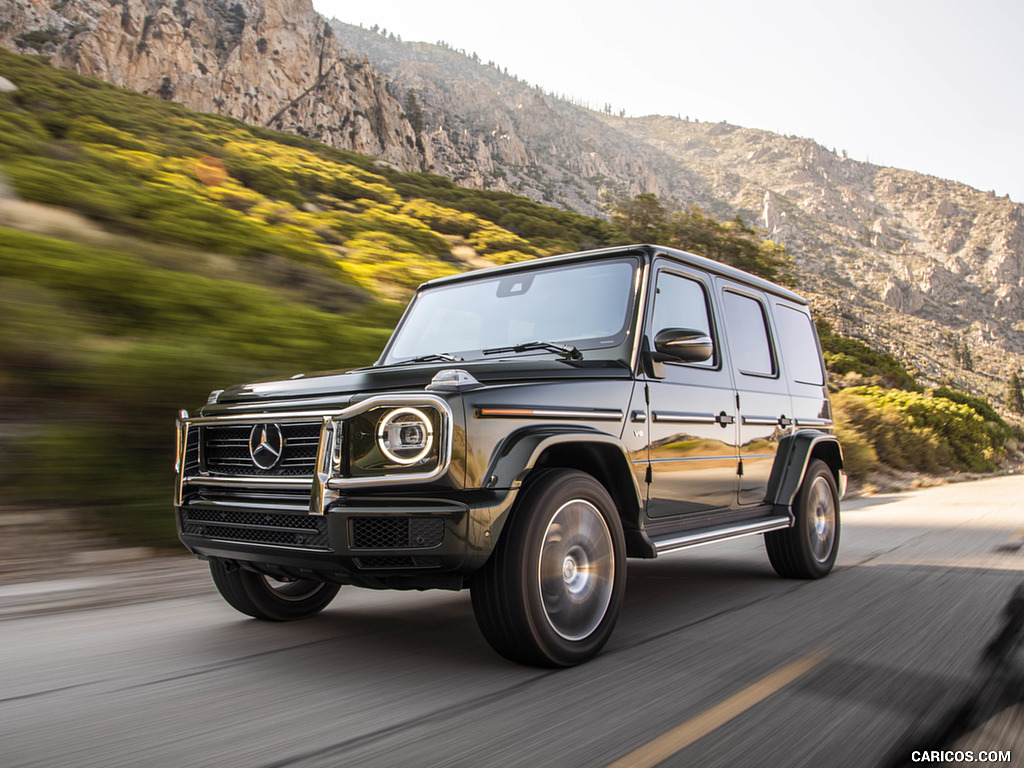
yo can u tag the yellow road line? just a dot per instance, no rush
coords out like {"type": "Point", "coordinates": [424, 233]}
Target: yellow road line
{"type": "Point", "coordinates": [1013, 544]}
{"type": "Point", "coordinates": [683, 735]}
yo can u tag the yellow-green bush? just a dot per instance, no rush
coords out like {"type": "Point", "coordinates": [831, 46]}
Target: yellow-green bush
{"type": "Point", "coordinates": [916, 431]}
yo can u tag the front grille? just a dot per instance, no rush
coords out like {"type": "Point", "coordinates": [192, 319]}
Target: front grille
{"type": "Point", "coordinates": [226, 450]}
{"type": "Point", "coordinates": [297, 531]}
{"type": "Point", "coordinates": [190, 461]}
{"type": "Point", "coordinates": [385, 563]}
{"type": "Point", "coordinates": [396, 532]}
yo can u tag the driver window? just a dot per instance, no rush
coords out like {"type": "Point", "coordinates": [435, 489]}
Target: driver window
{"type": "Point", "coordinates": [680, 302]}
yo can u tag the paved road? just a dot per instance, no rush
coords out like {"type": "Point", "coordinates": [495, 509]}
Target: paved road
{"type": "Point", "coordinates": [715, 662]}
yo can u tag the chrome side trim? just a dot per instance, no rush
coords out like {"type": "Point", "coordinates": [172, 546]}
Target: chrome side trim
{"type": "Point", "coordinates": [679, 459]}
{"type": "Point", "coordinates": [761, 421]}
{"type": "Point", "coordinates": [671, 417]}
{"type": "Point", "coordinates": [815, 423]}
{"type": "Point", "coordinates": [722, 534]}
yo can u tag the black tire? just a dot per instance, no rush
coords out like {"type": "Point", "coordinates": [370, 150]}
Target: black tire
{"type": "Point", "coordinates": [262, 598]}
{"type": "Point", "coordinates": [550, 593]}
{"type": "Point", "coordinates": [808, 549]}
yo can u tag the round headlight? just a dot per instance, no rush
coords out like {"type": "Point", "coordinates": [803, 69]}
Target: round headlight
{"type": "Point", "coordinates": [405, 435]}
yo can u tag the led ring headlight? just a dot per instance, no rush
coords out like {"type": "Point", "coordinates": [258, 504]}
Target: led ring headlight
{"type": "Point", "coordinates": [405, 435]}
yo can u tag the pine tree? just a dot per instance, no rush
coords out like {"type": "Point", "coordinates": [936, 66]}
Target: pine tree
{"type": "Point", "coordinates": [1014, 395]}
{"type": "Point", "coordinates": [413, 112]}
{"type": "Point", "coordinates": [965, 357]}
{"type": "Point", "coordinates": [642, 219]}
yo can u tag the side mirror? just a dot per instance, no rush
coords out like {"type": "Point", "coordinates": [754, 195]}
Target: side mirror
{"type": "Point", "coordinates": [684, 345]}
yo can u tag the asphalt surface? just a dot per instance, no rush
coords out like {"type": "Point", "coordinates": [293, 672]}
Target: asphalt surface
{"type": "Point", "coordinates": [715, 661]}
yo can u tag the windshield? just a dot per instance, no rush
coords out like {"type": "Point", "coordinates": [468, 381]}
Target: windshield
{"type": "Point", "coordinates": [583, 305]}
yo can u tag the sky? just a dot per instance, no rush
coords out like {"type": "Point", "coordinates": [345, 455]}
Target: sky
{"type": "Point", "coordinates": [928, 85]}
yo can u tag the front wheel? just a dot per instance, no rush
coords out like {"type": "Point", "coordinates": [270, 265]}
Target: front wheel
{"type": "Point", "coordinates": [551, 592]}
{"type": "Point", "coordinates": [263, 598]}
{"type": "Point", "coordinates": [808, 549]}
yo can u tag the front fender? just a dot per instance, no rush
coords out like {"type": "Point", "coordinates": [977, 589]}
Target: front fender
{"type": "Point", "coordinates": [519, 451]}
{"type": "Point", "coordinates": [794, 454]}
{"type": "Point", "coordinates": [574, 447]}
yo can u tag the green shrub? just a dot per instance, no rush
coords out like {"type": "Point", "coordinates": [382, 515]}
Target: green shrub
{"type": "Point", "coordinates": [844, 356]}
{"type": "Point", "coordinates": [914, 431]}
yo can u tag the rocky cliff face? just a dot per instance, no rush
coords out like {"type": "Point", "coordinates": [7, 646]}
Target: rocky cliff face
{"type": "Point", "coordinates": [916, 264]}
{"type": "Point", "coordinates": [273, 63]}
{"type": "Point", "coordinates": [488, 130]}
{"type": "Point", "coordinates": [913, 264]}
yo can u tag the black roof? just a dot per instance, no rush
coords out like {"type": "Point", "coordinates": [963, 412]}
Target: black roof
{"type": "Point", "coordinates": [650, 251]}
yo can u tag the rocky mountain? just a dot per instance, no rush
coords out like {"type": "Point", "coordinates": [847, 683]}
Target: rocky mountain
{"type": "Point", "coordinates": [921, 267]}
{"type": "Point", "coordinates": [273, 63]}
{"type": "Point", "coordinates": [916, 265]}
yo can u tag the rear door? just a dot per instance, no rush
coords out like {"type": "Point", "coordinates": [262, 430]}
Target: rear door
{"type": "Point", "coordinates": [765, 408]}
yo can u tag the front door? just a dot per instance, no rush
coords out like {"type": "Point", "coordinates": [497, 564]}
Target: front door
{"type": "Point", "coordinates": [692, 410]}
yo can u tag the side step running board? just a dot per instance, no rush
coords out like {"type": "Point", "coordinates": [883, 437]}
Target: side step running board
{"type": "Point", "coordinates": [712, 535]}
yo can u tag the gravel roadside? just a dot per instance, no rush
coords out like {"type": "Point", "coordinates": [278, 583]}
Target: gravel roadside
{"type": "Point", "coordinates": [107, 580]}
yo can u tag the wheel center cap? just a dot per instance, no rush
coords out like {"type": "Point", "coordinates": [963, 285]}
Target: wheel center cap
{"type": "Point", "coordinates": [820, 524]}
{"type": "Point", "coordinates": [569, 569]}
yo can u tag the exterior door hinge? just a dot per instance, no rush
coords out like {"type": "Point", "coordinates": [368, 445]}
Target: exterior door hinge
{"type": "Point", "coordinates": [739, 468]}
{"type": "Point", "coordinates": [649, 477]}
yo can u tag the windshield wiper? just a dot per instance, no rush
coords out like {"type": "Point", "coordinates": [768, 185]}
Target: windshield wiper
{"type": "Point", "coordinates": [442, 356]}
{"type": "Point", "coordinates": [570, 352]}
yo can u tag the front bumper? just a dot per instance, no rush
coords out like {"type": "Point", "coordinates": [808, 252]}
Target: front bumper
{"type": "Point", "coordinates": [311, 514]}
{"type": "Point", "coordinates": [392, 543]}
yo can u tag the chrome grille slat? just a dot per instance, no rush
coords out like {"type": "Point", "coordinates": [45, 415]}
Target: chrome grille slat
{"type": "Point", "coordinates": [226, 450]}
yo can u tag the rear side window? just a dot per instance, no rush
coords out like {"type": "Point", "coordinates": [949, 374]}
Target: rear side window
{"type": "Point", "coordinates": [749, 339]}
{"type": "Point", "coordinates": [800, 346]}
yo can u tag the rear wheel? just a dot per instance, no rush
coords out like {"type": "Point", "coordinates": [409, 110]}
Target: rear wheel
{"type": "Point", "coordinates": [808, 549]}
{"type": "Point", "coordinates": [551, 592]}
{"type": "Point", "coordinates": [264, 598]}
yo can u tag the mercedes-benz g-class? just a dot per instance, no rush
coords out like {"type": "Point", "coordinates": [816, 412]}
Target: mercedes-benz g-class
{"type": "Point", "coordinates": [526, 429]}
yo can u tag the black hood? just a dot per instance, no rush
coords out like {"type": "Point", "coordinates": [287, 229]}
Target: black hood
{"type": "Point", "coordinates": [339, 389]}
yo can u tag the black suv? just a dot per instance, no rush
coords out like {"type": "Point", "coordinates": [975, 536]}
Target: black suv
{"type": "Point", "coordinates": [526, 429]}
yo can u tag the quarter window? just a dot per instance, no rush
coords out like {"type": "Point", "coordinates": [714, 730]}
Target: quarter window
{"type": "Point", "coordinates": [749, 338]}
{"type": "Point", "coordinates": [800, 346]}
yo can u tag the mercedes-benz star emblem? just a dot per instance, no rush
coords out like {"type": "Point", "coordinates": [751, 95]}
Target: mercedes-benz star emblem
{"type": "Point", "coordinates": [265, 445]}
